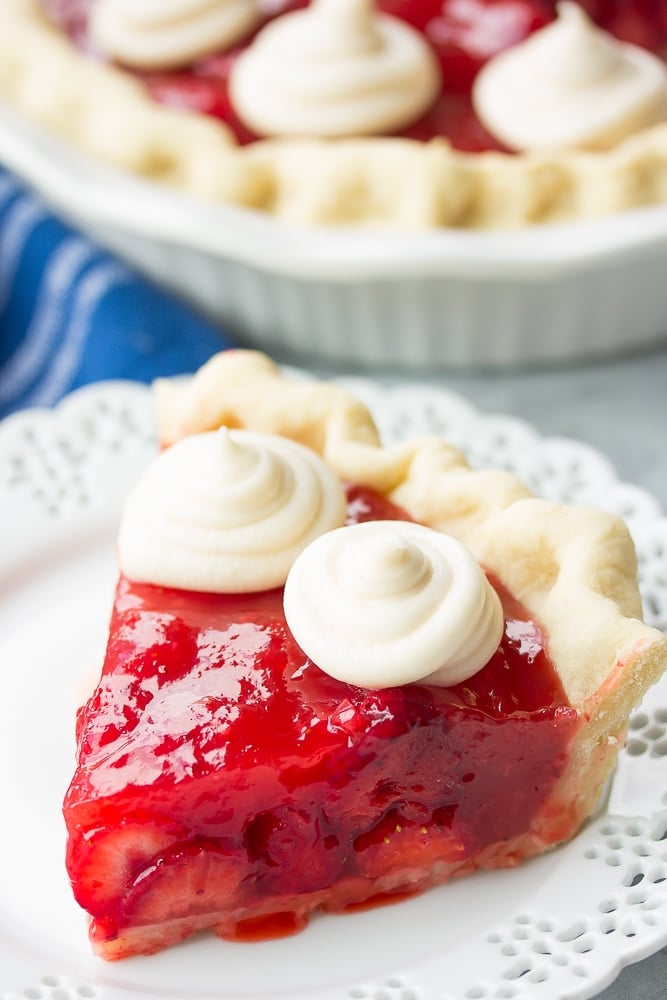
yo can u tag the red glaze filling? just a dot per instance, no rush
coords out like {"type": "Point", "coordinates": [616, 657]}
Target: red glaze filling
{"type": "Point", "coordinates": [221, 772]}
{"type": "Point", "coordinates": [464, 35]}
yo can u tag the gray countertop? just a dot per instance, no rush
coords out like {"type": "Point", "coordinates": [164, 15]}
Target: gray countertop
{"type": "Point", "coordinates": [619, 407]}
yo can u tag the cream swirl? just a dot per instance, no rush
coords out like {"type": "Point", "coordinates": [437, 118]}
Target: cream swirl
{"type": "Point", "coordinates": [227, 512]}
{"type": "Point", "coordinates": [164, 34]}
{"type": "Point", "coordinates": [385, 603]}
{"type": "Point", "coordinates": [337, 68]}
{"type": "Point", "coordinates": [570, 85]}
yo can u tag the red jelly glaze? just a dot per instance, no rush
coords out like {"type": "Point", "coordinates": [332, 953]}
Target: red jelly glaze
{"type": "Point", "coordinates": [464, 35]}
{"type": "Point", "coordinates": [216, 762]}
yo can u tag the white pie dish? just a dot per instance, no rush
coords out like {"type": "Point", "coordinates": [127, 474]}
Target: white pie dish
{"type": "Point", "coordinates": [433, 300]}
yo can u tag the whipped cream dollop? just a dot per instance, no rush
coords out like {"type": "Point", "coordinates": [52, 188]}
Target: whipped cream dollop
{"type": "Point", "coordinates": [165, 34]}
{"type": "Point", "coordinates": [227, 512]}
{"type": "Point", "coordinates": [570, 85]}
{"type": "Point", "coordinates": [385, 603]}
{"type": "Point", "coordinates": [338, 68]}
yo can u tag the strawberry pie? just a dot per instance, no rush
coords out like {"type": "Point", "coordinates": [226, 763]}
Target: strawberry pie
{"type": "Point", "coordinates": [498, 112]}
{"type": "Point", "coordinates": [337, 673]}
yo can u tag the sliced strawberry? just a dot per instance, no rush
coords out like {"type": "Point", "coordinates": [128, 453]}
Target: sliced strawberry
{"type": "Point", "coordinates": [186, 881]}
{"type": "Point", "coordinates": [291, 845]}
{"type": "Point", "coordinates": [110, 858]}
{"type": "Point", "coordinates": [397, 844]}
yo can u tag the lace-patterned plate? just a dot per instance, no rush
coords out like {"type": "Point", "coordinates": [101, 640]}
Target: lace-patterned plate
{"type": "Point", "coordinates": [561, 926]}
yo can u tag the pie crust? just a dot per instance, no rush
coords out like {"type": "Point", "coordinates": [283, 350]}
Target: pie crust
{"type": "Point", "coordinates": [573, 568]}
{"type": "Point", "coordinates": [372, 182]}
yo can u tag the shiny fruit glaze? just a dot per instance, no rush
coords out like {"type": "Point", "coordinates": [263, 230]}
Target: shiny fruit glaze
{"type": "Point", "coordinates": [223, 780]}
{"type": "Point", "coordinates": [464, 35]}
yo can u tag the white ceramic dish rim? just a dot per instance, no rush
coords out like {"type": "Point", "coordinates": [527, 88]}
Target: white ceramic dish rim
{"type": "Point", "coordinates": [95, 194]}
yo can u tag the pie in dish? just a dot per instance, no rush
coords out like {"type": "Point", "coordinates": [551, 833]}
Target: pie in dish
{"type": "Point", "coordinates": [410, 113]}
{"type": "Point", "coordinates": [394, 717]}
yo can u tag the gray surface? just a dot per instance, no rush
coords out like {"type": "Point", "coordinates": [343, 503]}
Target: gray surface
{"type": "Point", "coordinates": [645, 981]}
{"type": "Point", "coordinates": [620, 408]}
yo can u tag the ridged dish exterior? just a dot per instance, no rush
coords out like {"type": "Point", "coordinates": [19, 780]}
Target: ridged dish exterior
{"type": "Point", "coordinates": [441, 322]}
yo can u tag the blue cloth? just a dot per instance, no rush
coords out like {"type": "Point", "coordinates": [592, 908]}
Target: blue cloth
{"type": "Point", "coordinates": [72, 314]}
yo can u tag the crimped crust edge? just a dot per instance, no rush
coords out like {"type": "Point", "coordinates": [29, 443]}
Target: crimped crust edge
{"type": "Point", "coordinates": [574, 568]}
{"type": "Point", "coordinates": [371, 182]}
{"type": "Point", "coordinates": [564, 563]}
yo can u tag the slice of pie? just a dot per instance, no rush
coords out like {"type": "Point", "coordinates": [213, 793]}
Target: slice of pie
{"type": "Point", "coordinates": [228, 780]}
{"type": "Point", "coordinates": [239, 101]}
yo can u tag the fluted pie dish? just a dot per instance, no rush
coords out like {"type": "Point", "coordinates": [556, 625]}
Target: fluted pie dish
{"type": "Point", "coordinates": [336, 673]}
{"type": "Point", "coordinates": [495, 259]}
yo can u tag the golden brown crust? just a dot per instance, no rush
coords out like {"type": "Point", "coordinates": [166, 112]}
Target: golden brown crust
{"type": "Point", "coordinates": [573, 568]}
{"type": "Point", "coordinates": [392, 182]}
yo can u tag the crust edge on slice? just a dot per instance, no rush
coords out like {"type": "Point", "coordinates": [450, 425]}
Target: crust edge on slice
{"type": "Point", "coordinates": [395, 182]}
{"type": "Point", "coordinates": [564, 563]}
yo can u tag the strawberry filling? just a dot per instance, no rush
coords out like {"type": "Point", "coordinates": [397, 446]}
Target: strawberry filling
{"type": "Point", "coordinates": [224, 781]}
{"type": "Point", "coordinates": [464, 35]}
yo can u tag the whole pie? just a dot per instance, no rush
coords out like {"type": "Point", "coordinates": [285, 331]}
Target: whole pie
{"type": "Point", "coordinates": [420, 113]}
{"type": "Point", "coordinates": [337, 673]}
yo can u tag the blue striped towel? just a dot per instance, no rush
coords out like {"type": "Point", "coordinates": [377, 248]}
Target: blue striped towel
{"type": "Point", "coordinates": [72, 314]}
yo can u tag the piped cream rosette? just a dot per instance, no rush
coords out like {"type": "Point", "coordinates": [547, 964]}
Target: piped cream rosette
{"type": "Point", "coordinates": [338, 68]}
{"type": "Point", "coordinates": [571, 85]}
{"type": "Point", "coordinates": [386, 603]}
{"type": "Point", "coordinates": [165, 34]}
{"type": "Point", "coordinates": [227, 512]}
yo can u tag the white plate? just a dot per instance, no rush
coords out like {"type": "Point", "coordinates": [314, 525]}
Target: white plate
{"type": "Point", "coordinates": [561, 926]}
{"type": "Point", "coordinates": [415, 299]}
